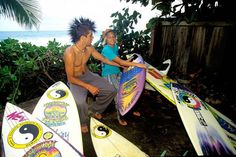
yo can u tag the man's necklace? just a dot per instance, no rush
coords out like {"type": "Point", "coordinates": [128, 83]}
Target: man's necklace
{"type": "Point", "coordinates": [80, 50]}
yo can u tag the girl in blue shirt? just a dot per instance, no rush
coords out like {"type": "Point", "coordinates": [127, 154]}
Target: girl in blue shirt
{"type": "Point", "coordinates": [112, 73]}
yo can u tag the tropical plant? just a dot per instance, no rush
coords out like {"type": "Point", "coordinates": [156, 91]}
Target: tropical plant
{"type": "Point", "coordinates": [25, 12]}
{"type": "Point", "coordinates": [127, 38]}
{"type": "Point", "coordinates": [26, 69]}
{"type": "Point", "coordinates": [192, 10]}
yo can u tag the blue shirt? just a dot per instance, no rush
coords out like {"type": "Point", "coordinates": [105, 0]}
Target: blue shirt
{"type": "Point", "coordinates": [110, 53]}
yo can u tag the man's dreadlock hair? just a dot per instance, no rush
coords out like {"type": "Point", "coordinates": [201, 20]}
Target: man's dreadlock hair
{"type": "Point", "coordinates": [80, 27]}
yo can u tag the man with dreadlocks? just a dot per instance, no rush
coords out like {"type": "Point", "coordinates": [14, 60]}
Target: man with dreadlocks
{"type": "Point", "coordinates": [80, 79]}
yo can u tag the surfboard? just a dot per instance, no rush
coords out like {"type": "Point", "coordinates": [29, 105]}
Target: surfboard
{"type": "Point", "coordinates": [227, 124]}
{"type": "Point", "coordinates": [26, 136]}
{"type": "Point", "coordinates": [163, 69]}
{"type": "Point", "coordinates": [131, 85]}
{"type": "Point", "coordinates": [163, 86]}
{"type": "Point", "coordinates": [161, 82]}
{"type": "Point", "coordinates": [205, 133]}
{"type": "Point", "coordinates": [107, 142]}
{"type": "Point", "coordinates": [58, 110]}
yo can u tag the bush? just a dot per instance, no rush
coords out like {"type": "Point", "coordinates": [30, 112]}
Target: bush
{"type": "Point", "coordinates": [27, 70]}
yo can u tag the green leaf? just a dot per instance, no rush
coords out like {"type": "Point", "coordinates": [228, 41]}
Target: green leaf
{"type": "Point", "coordinates": [26, 13]}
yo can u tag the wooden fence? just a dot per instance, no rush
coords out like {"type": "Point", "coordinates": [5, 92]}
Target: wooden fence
{"type": "Point", "coordinates": [196, 45]}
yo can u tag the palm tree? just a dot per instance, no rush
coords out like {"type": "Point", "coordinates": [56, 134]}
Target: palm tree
{"type": "Point", "coordinates": [26, 13]}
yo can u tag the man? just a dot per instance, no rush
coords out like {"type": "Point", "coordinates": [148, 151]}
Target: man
{"type": "Point", "coordinates": [81, 80]}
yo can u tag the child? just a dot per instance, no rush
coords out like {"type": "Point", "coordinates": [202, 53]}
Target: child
{"type": "Point", "coordinates": [112, 73]}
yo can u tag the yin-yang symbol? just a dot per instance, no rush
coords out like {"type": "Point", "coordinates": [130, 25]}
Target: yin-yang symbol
{"type": "Point", "coordinates": [101, 131]}
{"type": "Point", "coordinates": [57, 94]}
{"type": "Point", "coordinates": [189, 100]}
{"type": "Point", "coordinates": [24, 134]}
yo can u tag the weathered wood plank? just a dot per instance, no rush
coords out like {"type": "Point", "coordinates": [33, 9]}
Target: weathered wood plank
{"type": "Point", "coordinates": [196, 45]}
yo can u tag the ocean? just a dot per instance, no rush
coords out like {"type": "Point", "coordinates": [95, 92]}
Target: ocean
{"type": "Point", "coordinates": [41, 38]}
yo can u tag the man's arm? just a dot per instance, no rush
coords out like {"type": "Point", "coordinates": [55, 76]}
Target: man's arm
{"type": "Point", "coordinates": [98, 56]}
{"type": "Point", "coordinates": [128, 63]}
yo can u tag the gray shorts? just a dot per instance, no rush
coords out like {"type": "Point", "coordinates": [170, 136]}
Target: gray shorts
{"type": "Point", "coordinates": [102, 100]}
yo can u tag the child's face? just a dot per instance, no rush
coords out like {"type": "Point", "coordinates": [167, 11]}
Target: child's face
{"type": "Point", "coordinates": [111, 38]}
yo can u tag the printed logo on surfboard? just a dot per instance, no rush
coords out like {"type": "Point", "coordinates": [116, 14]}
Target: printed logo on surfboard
{"type": "Point", "coordinates": [166, 81]}
{"type": "Point", "coordinates": [129, 87]}
{"type": "Point", "coordinates": [55, 113]}
{"type": "Point", "coordinates": [212, 143]}
{"type": "Point", "coordinates": [193, 102]}
{"type": "Point", "coordinates": [24, 134]}
{"type": "Point", "coordinates": [154, 73]}
{"type": "Point", "coordinates": [57, 94]}
{"type": "Point", "coordinates": [44, 149]}
{"type": "Point", "coordinates": [101, 131]}
{"type": "Point", "coordinates": [189, 99]}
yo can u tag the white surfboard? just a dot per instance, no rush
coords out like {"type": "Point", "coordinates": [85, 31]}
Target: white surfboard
{"type": "Point", "coordinates": [205, 133]}
{"type": "Point", "coordinates": [25, 136]}
{"type": "Point", "coordinates": [163, 85]}
{"type": "Point", "coordinates": [58, 110]}
{"type": "Point", "coordinates": [164, 69]}
{"type": "Point", "coordinates": [108, 143]}
{"type": "Point", "coordinates": [160, 82]}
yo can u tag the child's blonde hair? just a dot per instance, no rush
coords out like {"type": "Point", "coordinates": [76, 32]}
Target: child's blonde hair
{"type": "Point", "coordinates": [104, 33]}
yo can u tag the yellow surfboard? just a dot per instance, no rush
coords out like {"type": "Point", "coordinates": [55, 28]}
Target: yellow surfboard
{"type": "Point", "coordinates": [161, 82]}
{"type": "Point", "coordinates": [108, 143]}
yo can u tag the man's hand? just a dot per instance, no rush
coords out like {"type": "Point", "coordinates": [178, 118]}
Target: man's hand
{"type": "Point", "coordinates": [93, 90]}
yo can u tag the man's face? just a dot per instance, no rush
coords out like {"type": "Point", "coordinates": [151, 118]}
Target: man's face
{"type": "Point", "coordinates": [89, 38]}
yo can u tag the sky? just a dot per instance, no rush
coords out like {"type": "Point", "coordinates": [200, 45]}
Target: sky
{"type": "Point", "coordinates": [57, 14]}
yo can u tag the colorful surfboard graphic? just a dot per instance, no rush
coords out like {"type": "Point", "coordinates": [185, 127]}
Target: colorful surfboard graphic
{"type": "Point", "coordinates": [130, 86]}
{"type": "Point", "coordinates": [160, 82]}
{"type": "Point", "coordinates": [228, 125]}
{"type": "Point", "coordinates": [58, 110]}
{"type": "Point", "coordinates": [205, 133]}
{"type": "Point", "coordinates": [24, 135]}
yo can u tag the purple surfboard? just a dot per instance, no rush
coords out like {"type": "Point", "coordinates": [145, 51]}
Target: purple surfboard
{"type": "Point", "coordinates": [131, 85]}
